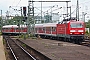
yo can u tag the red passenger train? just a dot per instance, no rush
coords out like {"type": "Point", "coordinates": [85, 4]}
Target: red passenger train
{"type": "Point", "coordinates": [70, 30]}
{"type": "Point", "coordinates": [14, 29]}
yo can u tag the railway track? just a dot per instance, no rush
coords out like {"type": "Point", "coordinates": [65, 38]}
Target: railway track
{"type": "Point", "coordinates": [22, 51]}
{"type": "Point", "coordinates": [86, 43]}
{"type": "Point", "coordinates": [18, 52]}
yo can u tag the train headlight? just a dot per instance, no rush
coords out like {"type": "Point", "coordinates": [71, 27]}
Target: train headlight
{"type": "Point", "coordinates": [72, 30]}
{"type": "Point", "coordinates": [70, 33]}
{"type": "Point", "coordinates": [80, 30]}
{"type": "Point", "coordinates": [82, 33]}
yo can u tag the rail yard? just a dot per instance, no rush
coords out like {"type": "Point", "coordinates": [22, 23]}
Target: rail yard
{"type": "Point", "coordinates": [45, 30]}
{"type": "Point", "coordinates": [47, 49]}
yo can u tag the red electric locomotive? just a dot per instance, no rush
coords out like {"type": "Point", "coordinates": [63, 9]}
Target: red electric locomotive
{"type": "Point", "coordinates": [14, 29]}
{"type": "Point", "coordinates": [68, 30]}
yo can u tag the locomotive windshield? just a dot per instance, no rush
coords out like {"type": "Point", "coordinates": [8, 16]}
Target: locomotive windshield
{"type": "Point", "coordinates": [76, 25]}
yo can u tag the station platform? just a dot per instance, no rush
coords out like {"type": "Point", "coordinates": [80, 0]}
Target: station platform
{"type": "Point", "coordinates": [2, 52]}
{"type": "Point", "coordinates": [58, 50]}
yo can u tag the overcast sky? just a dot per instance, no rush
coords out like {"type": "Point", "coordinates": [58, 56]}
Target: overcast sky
{"type": "Point", "coordinates": [4, 5]}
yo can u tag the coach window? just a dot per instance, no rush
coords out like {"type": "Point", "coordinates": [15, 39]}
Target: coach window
{"type": "Point", "coordinates": [4, 29]}
{"type": "Point", "coordinates": [48, 29]}
{"type": "Point", "coordinates": [16, 28]}
{"type": "Point", "coordinates": [53, 28]}
{"type": "Point", "coordinates": [8, 29]}
{"type": "Point", "coordinates": [39, 29]}
{"type": "Point", "coordinates": [44, 29]}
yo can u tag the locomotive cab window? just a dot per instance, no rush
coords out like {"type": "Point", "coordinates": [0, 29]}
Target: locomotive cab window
{"type": "Point", "coordinates": [76, 25]}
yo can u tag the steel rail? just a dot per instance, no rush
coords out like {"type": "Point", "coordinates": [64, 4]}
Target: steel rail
{"type": "Point", "coordinates": [22, 49]}
{"type": "Point", "coordinates": [12, 51]}
{"type": "Point", "coordinates": [25, 51]}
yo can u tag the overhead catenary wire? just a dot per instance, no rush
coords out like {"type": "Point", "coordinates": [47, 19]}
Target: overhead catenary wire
{"type": "Point", "coordinates": [48, 10]}
{"type": "Point", "coordinates": [18, 3]}
{"type": "Point", "coordinates": [84, 2]}
{"type": "Point", "coordinates": [15, 6]}
{"type": "Point", "coordinates": [13, 2]}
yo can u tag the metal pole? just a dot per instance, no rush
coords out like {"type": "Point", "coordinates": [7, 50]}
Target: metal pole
{"type": "Point", "coordinates": [67, 9]}
{"type": "Point", "coordinates": [41, 11]}
{"type": "Point", "coordinates": [30, 19]}
{"type": "Point", "coordinates": [1, 19]}
{"type": "Point", "coordinates": [51, 15]}
{"type": "Point", "coordinates": [77, 11]}
{"type": "Point", "coordinates": [21, 18]}
{"type": "Point", "coordinates": [84, 14]}
{"type": "Point", "coordinates": [19, 27]}
{"type": "Point", "coordinates": [78, 8]}
{"type": "Point", "coordinates": [21, 10]}
{"type": "Point", "coordinates": [33, 17]}
{"type": "Point", "coordinates": [66, 22]}
{"type": "Point", "coordinates": [84, 17]}
{"type": "Point", "coordinates": [27, 22]}
{"type": "Point", "coordinates": [70, 11]}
